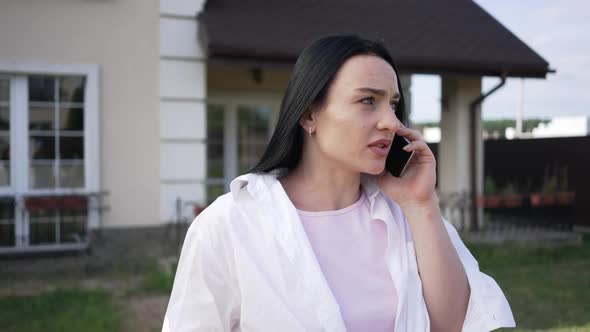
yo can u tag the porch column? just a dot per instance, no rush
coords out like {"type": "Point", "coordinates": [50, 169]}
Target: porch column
{"type": "Point", "coordinates": [183, 108]}
{"type": "Point", "coordinates": [454, 157]}
{"type": "Point", "coordinates": [406, 83]}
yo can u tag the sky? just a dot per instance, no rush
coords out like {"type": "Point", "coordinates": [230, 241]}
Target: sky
{"type": "Point", "coordinates": [559, 31]}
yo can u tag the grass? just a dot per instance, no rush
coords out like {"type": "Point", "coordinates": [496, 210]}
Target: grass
{"type": "Point", "coordinates": [60, 310]}
{"type": "Point", "coordinates": [157, 280]}
{"type": "Point", "coordinates": [548, 288]}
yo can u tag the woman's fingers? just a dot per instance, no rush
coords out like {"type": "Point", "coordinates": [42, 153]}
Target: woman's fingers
{"type": "Point", "coordinates": [416, 146]}
{"type": "Point", "coordinates": [411, 134]}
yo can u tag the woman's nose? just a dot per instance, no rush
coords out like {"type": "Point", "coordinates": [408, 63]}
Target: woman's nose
{"type": "Point", "coordinates": [389, 121]}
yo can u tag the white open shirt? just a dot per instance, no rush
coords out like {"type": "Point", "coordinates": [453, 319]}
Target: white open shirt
{"type": "Point", "coordinates": [247, 265]}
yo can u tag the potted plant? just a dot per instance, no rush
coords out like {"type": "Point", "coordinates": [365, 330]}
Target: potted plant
{"type": "Point", "coordinates": [546, 196]}
{"type": "Point", "coordinates": [536, 199]}
{"type": "Point", "coordinates": [491, 199]}
{"type": "Point", "coordinates": [511, 198]}
{"type": "Point", "coordinates": [548, 191]}
{"type": "Point", "coordinates": [563, 196]}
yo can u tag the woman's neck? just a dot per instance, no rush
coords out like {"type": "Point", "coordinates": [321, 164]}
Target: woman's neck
{"type": "Point", "coordinates": [321, 186]}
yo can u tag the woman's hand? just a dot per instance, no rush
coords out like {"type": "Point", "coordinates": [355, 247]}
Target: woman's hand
{"type": "Point", "coordinates": [416, 187]}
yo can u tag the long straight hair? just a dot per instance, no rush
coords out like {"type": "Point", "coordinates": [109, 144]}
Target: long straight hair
{"type": "Point", "coordinates": [310, 81]}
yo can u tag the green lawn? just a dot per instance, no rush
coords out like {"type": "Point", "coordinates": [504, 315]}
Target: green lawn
{"type": "Point", "coordinates": [548, 287]}
{"type": "Point", "coordinates": [60, 310]}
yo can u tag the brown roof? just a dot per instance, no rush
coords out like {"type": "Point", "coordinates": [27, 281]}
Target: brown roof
{"type": "Point", "coordinates": [424, 36]}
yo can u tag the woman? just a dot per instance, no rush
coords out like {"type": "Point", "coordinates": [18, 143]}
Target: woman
{"type": "Point", "coordinates": [317, 237]}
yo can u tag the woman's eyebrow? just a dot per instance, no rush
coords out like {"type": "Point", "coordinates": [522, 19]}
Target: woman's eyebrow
{"type": "Point", "coordinates": [378, 92]}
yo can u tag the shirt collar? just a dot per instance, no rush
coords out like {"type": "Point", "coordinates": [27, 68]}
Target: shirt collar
{"type": "Point", "coordinates": [259, 185]}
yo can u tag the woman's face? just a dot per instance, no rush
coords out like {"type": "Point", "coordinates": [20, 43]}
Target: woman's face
{"type": "Point", "coordinates": [354, 128]}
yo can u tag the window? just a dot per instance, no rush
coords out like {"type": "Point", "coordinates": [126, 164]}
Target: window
{"type": "Point", "coordinates": [48, 155]}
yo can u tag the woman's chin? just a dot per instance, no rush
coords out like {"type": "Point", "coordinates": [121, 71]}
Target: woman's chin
{"type": "Point", "coordinates": [375, 170]}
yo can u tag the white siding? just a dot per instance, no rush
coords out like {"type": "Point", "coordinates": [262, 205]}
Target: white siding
{"type": "Point", "coordinates": [179, 38]}
{"type": "Point", "coordinates": [182, 105]}
{"type": "Point", "coordinates": [182, 79]}
{"type": "Point", "coordinates": [182, 120]}
{"type": "Point", "coordinates": [181, 7]}
{"type": "Point", "coordinates": [182, 161]}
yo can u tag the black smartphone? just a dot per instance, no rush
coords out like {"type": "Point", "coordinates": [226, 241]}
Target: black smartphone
{"type": "Point", "coordinates": [398, 159]}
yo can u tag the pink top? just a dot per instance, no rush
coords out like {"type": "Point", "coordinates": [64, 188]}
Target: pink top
{"type": "Point", "coordinates": [351, 250]}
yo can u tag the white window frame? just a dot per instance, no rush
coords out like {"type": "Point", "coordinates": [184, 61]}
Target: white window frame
{"type": "Point", "coordinates": [18, 73]}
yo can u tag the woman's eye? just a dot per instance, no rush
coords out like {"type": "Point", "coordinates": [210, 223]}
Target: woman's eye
{"type": "Point", "coordinates": [368, 101]}
{"type": "Point", "coordinates": [394, 105]}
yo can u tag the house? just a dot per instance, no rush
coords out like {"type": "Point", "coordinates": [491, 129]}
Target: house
{"type": "Point", "coordinates": [560, 126]}
{"type": "Point", "coordinates": [133, 104]}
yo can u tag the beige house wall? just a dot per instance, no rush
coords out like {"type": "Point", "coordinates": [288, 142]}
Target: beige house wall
{"type": "Point", "coordinates": [121, 38]}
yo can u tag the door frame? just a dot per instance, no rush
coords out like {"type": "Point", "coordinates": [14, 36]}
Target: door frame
{"type": "Point", "coordinates": [230, 101]}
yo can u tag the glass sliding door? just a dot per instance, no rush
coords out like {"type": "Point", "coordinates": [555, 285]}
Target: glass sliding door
{"type": "Point", "coordinates": [215, 152]}
{"type": "Point", "coordinates": [253, 134]}
{"type": "Point", "coordinates": [237, 136]}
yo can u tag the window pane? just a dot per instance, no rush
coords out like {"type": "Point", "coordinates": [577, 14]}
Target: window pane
{"type": "Point", "coordinates": [6, 235]}
{"type": "Point", "coordinates": [41, 88]}
{"type": "Point", "coordinates": [4, 147]}
{"type": "Point", "coordinates": [215, 168]}
{"type": "Point", "coordinates": [7, 221]}
{"type": "Point", "coordinates": [214, 191]}
{"type": "Point", "coordinates": [42, 227]}
{"type": "Point", "coordinates": [253, 129]}
{"type": "Point", "coordinates": [4, 118]}
{"type": "Point", "coordinates": [6, 209]}
{"type": "Point", "coordinates": [71, 118]}
{"type": "Point", "coordinates": [41, 147]}
{"type": "Point", "coordinates": [71, 147]}
{"type": "Point", "coordinates": [4, 174]}
{"type": "Point", "coordinates": [214, 148]}
{"type": "Point", "coordinates": [215, 115]}
{"type": "Point", "coordinates": [4, 90]}
{"type": "Point", "coordinates": [73, 228]}
{"type": "Point", "coordinates": [4, 161]}
{"type": "Point", "coordinates": [71, 89]}
{"type": "Point", "coordinates": [71, 176]}
{"type": "Point", "coordinates": [41, 118]}
{"type": "Point", "coordinates": [215, 127]}
{"type": "Point", "coordinates": [42, 176]}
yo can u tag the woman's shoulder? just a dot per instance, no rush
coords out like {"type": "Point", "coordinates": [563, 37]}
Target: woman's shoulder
{"type": "Point", "coordinates": [212, 221]}
{"type": "Point", "coordinates": [222, 214]}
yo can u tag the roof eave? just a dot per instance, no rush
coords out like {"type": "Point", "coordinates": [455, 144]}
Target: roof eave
{"type": "Point", "coordinates": [269, 60]}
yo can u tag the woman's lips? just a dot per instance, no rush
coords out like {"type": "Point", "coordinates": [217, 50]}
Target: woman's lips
{"type": "Point", "coordinates": [380, 147]}
{"type": "Point", "coordinates": [381, 152]}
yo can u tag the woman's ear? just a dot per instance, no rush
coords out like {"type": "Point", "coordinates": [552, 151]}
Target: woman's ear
{"type": "Point", "coordinates": [308, 120]}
